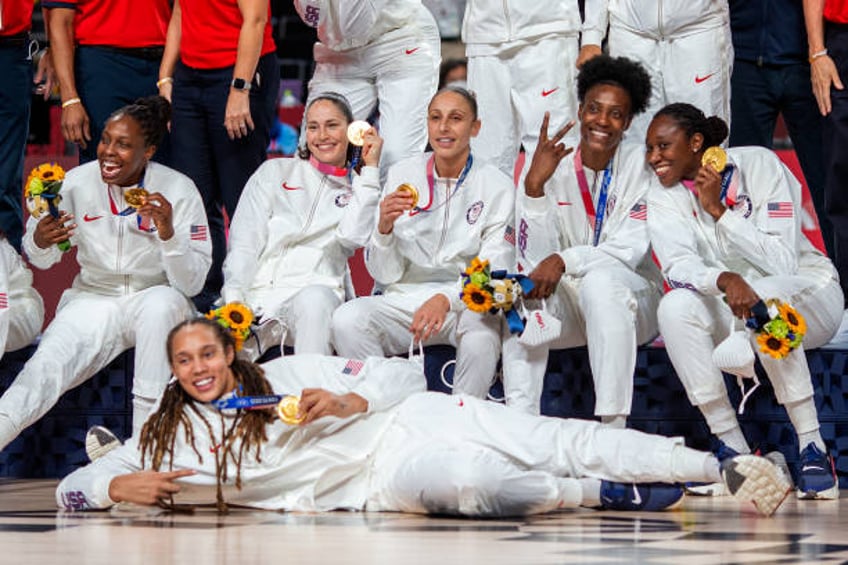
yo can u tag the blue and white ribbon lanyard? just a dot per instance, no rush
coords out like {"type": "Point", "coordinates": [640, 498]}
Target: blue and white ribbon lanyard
{"type": "Point", "coordinates": [131, 209]}
{"type": "Point", "coordinates": [431, 183]}
{"type": "Point", "coordinates": [596, 218]}
{"type": "Point", "coordinates": [236, 402]}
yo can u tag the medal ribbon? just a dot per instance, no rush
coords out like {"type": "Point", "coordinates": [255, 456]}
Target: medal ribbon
{"type": "Point", "coordinates": [596, 219]}
{"type": "Point", "coordinates": [144, 224]}
{"type": "Point", "coordinates": [431, 182]}
{"type": "Point", "coordinates": [248, 402]}
{"type": "Point", "coordinates": [729, 186]}
{"type": "Point", "coordinates": [327, 169]}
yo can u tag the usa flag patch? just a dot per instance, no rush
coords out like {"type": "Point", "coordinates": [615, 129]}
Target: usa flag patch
{"type": "Point", "coordinates": [509, 235]}
{"type": "Point", "coordinates": [780, 210]}
{"type": "Point", "coordinates": [639, 212]}
{"type": "Point", "coordinates": [353, 367]}
{"type": "Point", "coordinates": [199, 232]}
{"type": "Point", "coordinates": [4, 300]}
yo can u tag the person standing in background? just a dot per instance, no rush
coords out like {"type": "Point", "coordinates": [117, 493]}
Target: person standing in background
{"type": "Point", "coordinates": [827, 42]}
{"type": "Point", "coordinates": [521, 58]}
{"type": "Point", "coordinates": [771, 76]}
{"type": "Point", "coordinates": [107, 55]}
{"type": "Point", "coordinates": [16, 50]}
{"type": "Point", "coordinates": [684, 44]}
{"type": "Point", "coordinates": [221, 73]}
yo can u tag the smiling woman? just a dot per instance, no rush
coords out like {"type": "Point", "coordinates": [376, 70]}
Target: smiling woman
{"type": "Point", "coordinates": [138, 264]}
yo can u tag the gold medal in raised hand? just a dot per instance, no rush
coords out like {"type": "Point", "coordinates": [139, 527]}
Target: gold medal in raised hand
{"type": "Point", "coordinates": [406, 187]}
{"type": "Point", "coordinates": [356, 132]}
{"type": "Point", "coordinates": [716, 157]}
{"type": "Point", "coordinates": [288, 408]}
{"type": "Point", "coordinates": [135, 197]}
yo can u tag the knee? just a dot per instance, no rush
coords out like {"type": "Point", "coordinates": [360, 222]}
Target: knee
{"type": "Point", "coordinates": [604, 292]}
{"type": "Point", "coordinates": [677, 308]}
{"type": "Point", "coordinates": [315, 300]}
{"type": "Point", "coordinates": [165, 304]}
{"type": "Point", "coordinates": [350, 318]}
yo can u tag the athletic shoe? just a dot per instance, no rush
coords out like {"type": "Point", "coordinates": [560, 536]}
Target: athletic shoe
{"type": "Point", "coordinates": [713, 489]}
{"type": "Point", "coordinates": [652, 497]}
{"type": "Point", "coordinates": [755, 479]}
{"type": "Point", "coordinates": [99, 441]}
{"type": "Point", "coordinates": [779, 461]}
{"type": "Point", "coordinates": [817, 479]}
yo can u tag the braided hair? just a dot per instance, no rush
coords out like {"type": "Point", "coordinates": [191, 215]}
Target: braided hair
{"type": "Point", "coordinates": [247, 431]}
{"type": "Point", "coordinates": [692, 120]}
{"type": "Point", "coordinates": [152, 113]}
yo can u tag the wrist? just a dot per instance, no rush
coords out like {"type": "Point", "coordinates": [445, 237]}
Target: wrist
{"type": "Point", "coordinates": [817, 54]}
{"type": "Point", "coordinates": [163, 81]}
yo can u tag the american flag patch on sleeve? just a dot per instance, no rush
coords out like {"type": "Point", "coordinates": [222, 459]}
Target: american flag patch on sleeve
{"type": "Point", "coordinates": [198, 232]}
{"type": "Point", "coordinates": [509, 235]}
{"type": "Point", "coordinates": [639, 212]}
{"type": "Point", "coordinates": [780, 210]}
{"type": "Point", "coordinates": [4, 300]}
{"type": "Point", "coordinates": [353, 367]}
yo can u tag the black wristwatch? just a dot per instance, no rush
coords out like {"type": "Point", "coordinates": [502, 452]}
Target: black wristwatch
{"type": "Point", "coordinates": [240, 84]}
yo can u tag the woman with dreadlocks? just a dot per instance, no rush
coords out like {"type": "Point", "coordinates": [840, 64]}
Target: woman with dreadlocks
{"type": "Point", "coordinates": [366, 441]}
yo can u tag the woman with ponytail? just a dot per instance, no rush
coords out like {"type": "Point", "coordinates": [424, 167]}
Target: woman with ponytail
{"type": "Point", "coordinates": [728, 237]}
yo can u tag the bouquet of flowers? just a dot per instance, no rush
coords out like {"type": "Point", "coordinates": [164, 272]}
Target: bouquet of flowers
{"type": "Point", "coordinates": [779, 327]}
{"type": "Point", "coordinates": [41, 193]}
{"type": "Point", "coordinates": [235, 317]}
{"type": "Point", "coordinates": [484, 290]}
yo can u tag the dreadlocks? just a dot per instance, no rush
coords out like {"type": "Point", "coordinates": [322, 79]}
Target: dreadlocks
{"type": "Point", "coordinates": [247, 430]}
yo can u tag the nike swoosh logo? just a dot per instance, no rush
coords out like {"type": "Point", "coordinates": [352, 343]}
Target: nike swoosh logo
{"type": "Point", "coordinates": [287, 187]}
{"type": "Point", "coordinates": [88, 218]}
{"type": "Point", "coordinates": [699, 80]}
{"type": "Point", "coordinates": [411, 51]}
{"type": "Point", "coordinates": [811, 468]}
{"type": "Point", "coordinates": [546, 93]}
{"type": "Point", "coordinates": [564, 203]}
{"type": "Point", "coordinates": [637, 498]}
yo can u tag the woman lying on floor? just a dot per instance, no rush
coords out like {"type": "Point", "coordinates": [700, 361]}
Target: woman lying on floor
{"type": "Point", "coordinates": [371, 439]}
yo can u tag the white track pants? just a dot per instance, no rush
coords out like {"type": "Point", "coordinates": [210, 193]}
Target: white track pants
{"type": "Point", "coordinates": [692, 325]}
{"type": "Point", "coordinates": [610, 310]}
{"type": "Point", "coordinates": [20, 318]}
{"type": "Point", "coordinates": [514, 90]}
{"type": "Point", "coordinates": [307, 319]}
{"type": "Point", "coordinates": [90, 330]}
{"type": "Point", "coordinates": [462, 455]}
{"type": "Point", "coordinates": [379, 326]}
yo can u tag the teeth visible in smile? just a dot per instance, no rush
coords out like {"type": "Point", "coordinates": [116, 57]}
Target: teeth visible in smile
{"type": "Point", "coordinates": [109, 167]}
{"type": "Point", "coordinates": [661, 169]}
{"type": "Point", "coordinates": [203, 382]}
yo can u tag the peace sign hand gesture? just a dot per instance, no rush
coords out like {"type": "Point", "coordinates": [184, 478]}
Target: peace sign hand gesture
{"type": "Point", "coordinates": [549, 152]}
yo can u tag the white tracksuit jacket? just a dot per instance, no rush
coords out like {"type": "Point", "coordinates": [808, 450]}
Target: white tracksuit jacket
{"type": "Point", "coordinates": [760, 238]}
{"type": "Point", "coordinates": [521, 57]}
{"type": "Point", "coordinates": [21, 307]}
{"type": "Point", "coordinates": [131, 290]}
{"type": "Point", "coordinates": [608, 295]}
{"type": "Point", "coordinates": [294, 228]}
{"type": "Point", "coordinates": [382, 55]}
{"type": "Point", "coordinates": [425, 255]}
{"type": "Point", "coordinates": [428, 453]}
{"type": "Point", "coordinates": [685, 46]}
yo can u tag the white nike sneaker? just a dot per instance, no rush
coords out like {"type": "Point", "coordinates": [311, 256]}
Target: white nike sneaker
{"type": "Point", "coordinates": [99, 441]}
{"type": "Point", "coordinates": [757, 480]}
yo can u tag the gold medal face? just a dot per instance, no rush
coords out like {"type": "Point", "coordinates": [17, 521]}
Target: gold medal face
{"type": "Point", "coordinates": [406, 187]}
{"type": "Point", "coordinates": [716, 157]}
{"type": "Point", "coordinates": [356, 132]}
{"type": "Point", "coordinates": [287, 410]}
{"type": "Point", "coordinates": [135, 197]}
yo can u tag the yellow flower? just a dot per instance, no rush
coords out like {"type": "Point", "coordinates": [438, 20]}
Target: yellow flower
{"type": "Point", "coordinates": [46, 173]}
{"type": "Point", "coordinates": [476, 266]}
{"type": "Point", "coordinates": [793, 319]}
{"type": "Point", "coordinates": [774, 346]}
{"type": "Point", "coordinates": [237, 316]}
{"type": "Point", "coordinates": [477, 299]}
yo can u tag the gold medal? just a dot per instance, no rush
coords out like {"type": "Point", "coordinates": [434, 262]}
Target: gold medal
{"type": "Point", "coordinates": [716, 157]}
{"type": "Point", "coordinates": [406, 187]}
{"type": "Point", "coordinates": [288, 408]}
{"type": "Point", "coordinates": [135, 197]}
{"type": "Point", "coordinates": [356, 132]}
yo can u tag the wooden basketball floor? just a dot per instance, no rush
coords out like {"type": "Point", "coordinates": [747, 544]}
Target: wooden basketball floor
{"type": "Point", "coordinates": [703, 531]}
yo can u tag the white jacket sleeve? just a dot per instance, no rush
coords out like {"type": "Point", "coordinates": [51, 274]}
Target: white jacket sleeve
{"type": "Point", "coordinates": [187, 256]}
{"type": "Point", "coordinates": [627, 245]}
{"type": "Point", "coordinates": [248, 238]}
{"type": "Point", "coordinates": [87, 488]}
{"type": "Point", "coordinates": [41, 258]}
{"type": "Point", "coordinates": [595, 22]}
{"type": "Point", "coordinates": [539, 232]}
{"type": "Point", "coordinates": [768, 239]}
{"type": "Point", "coordinates": [358, 220]}
{"type": "Point", "coordinates": [498, 241]}
{"type": "Point", "coordinates": [675, 243]}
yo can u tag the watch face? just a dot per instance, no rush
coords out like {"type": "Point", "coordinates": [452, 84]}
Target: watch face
{"type": "Point", "coordinates": [240, 84]}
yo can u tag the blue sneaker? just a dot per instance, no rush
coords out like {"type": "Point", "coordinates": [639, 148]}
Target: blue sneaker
{"type": "Point", "coordinates": [723, 453]}
{"type": "Point", "coordinates": [816, 478]}
{"type": "Point", "coordinates": [755, 479]}
{"type": "Point", "coordinates": [651, 497]}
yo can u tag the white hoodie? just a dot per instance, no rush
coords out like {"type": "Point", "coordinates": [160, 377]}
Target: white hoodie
{"type": "Point", "coordinates": [346, 24]}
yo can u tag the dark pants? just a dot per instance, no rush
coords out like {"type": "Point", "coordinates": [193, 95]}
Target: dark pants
{"type": "Point", "coordinates": [15, 98]}
{"type": "Point", "coordinates": [107, 80]}
{"type": "Point", "coordinates": [760, 94]}
{"type": "Point", "coordinates": [218, 165]}
{"type": "Point", "coordinates": [836, 152]}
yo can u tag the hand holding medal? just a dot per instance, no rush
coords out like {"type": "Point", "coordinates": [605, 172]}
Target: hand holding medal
{"type": "Point", "coordinates": [154, 207]}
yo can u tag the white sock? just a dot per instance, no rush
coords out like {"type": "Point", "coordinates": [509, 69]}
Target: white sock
{"type": "Point", "coordinates": [805, 419]}
{"type": "Point", "coordinates": [735, 440]}
{"type": "Point", "coordinates": [721, 418]}
{"type": "Point", "coordinates": [618, 421]}
{"type": "Point", "coordinates": [691, 465]}
{"type": "Point", "coordinates": [591, 492]}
